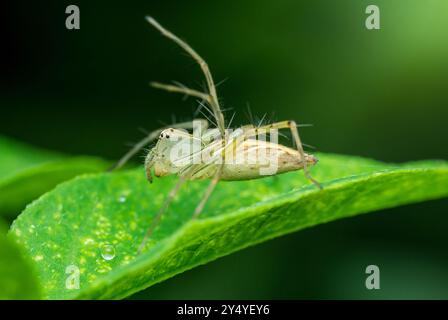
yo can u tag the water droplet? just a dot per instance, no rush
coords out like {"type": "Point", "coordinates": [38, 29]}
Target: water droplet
{"type": "Point", "coordinates": [122, 199]}
{"type": "Point", "coordinates": [108, 252]}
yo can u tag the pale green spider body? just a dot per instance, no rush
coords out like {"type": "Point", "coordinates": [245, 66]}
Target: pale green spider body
{"type": "Point", "coordinates": [255, 154]}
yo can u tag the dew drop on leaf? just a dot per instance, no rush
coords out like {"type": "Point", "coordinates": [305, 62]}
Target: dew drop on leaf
{"type": "Point", "coordinates": [108, 252]}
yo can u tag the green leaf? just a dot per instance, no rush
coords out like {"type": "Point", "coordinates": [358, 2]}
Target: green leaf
{"type": "Point", "coordinates": [27, 172]}
{"type": "Point", "coordinates": [17, 279]}
{"type": "Point", "coordinates": [107, 215]}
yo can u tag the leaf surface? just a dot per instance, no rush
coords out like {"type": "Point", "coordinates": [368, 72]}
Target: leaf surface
{"type": "Point", "coordinates": [97, 222]}
{"type": "Point", "coordinates": [27, 172]}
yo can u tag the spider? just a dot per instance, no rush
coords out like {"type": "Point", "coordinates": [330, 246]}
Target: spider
{"type": "Point", "coordinates": [206, 152]}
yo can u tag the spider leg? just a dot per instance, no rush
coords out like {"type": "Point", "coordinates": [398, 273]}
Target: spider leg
{"type": "Point", "coordinates": [181, 89]}
{"type": "Point", "coordinates": [159, 214]}
{"type": "Point", "coordinates": [231, 143]}
{"type": "Point", "coordinates": [212, 97]}
{"type": "Point", "coordinates": [208, 192]}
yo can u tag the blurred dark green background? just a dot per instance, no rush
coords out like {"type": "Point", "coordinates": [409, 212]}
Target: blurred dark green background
{"type": "Point", "coordinates": [381, 94]}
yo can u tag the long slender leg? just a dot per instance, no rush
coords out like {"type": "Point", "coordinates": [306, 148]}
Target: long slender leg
{"type": "Point", "coordinates": [298, 142]}
{"type": "Point", "coordinates": [251, 131]}
{"type": "Point", "coordinates": [190, 172]}
{"type": "Point", "coordinates": [156, 219]}
{"type": "Point", "coordinates": [136, 148]}
{"type": "Point", "coordinates": [171, 197]}
{"type": "Point", "coordinates": [208, 192]}
{"type": "Point", "coordinates": [232, 142]}
{"type": "Point", "coordinates": [212, 98]}
{"type": "Point", "coordinates": [181, 89]}
{"type": "Point", "coordinates": [154, 135]}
